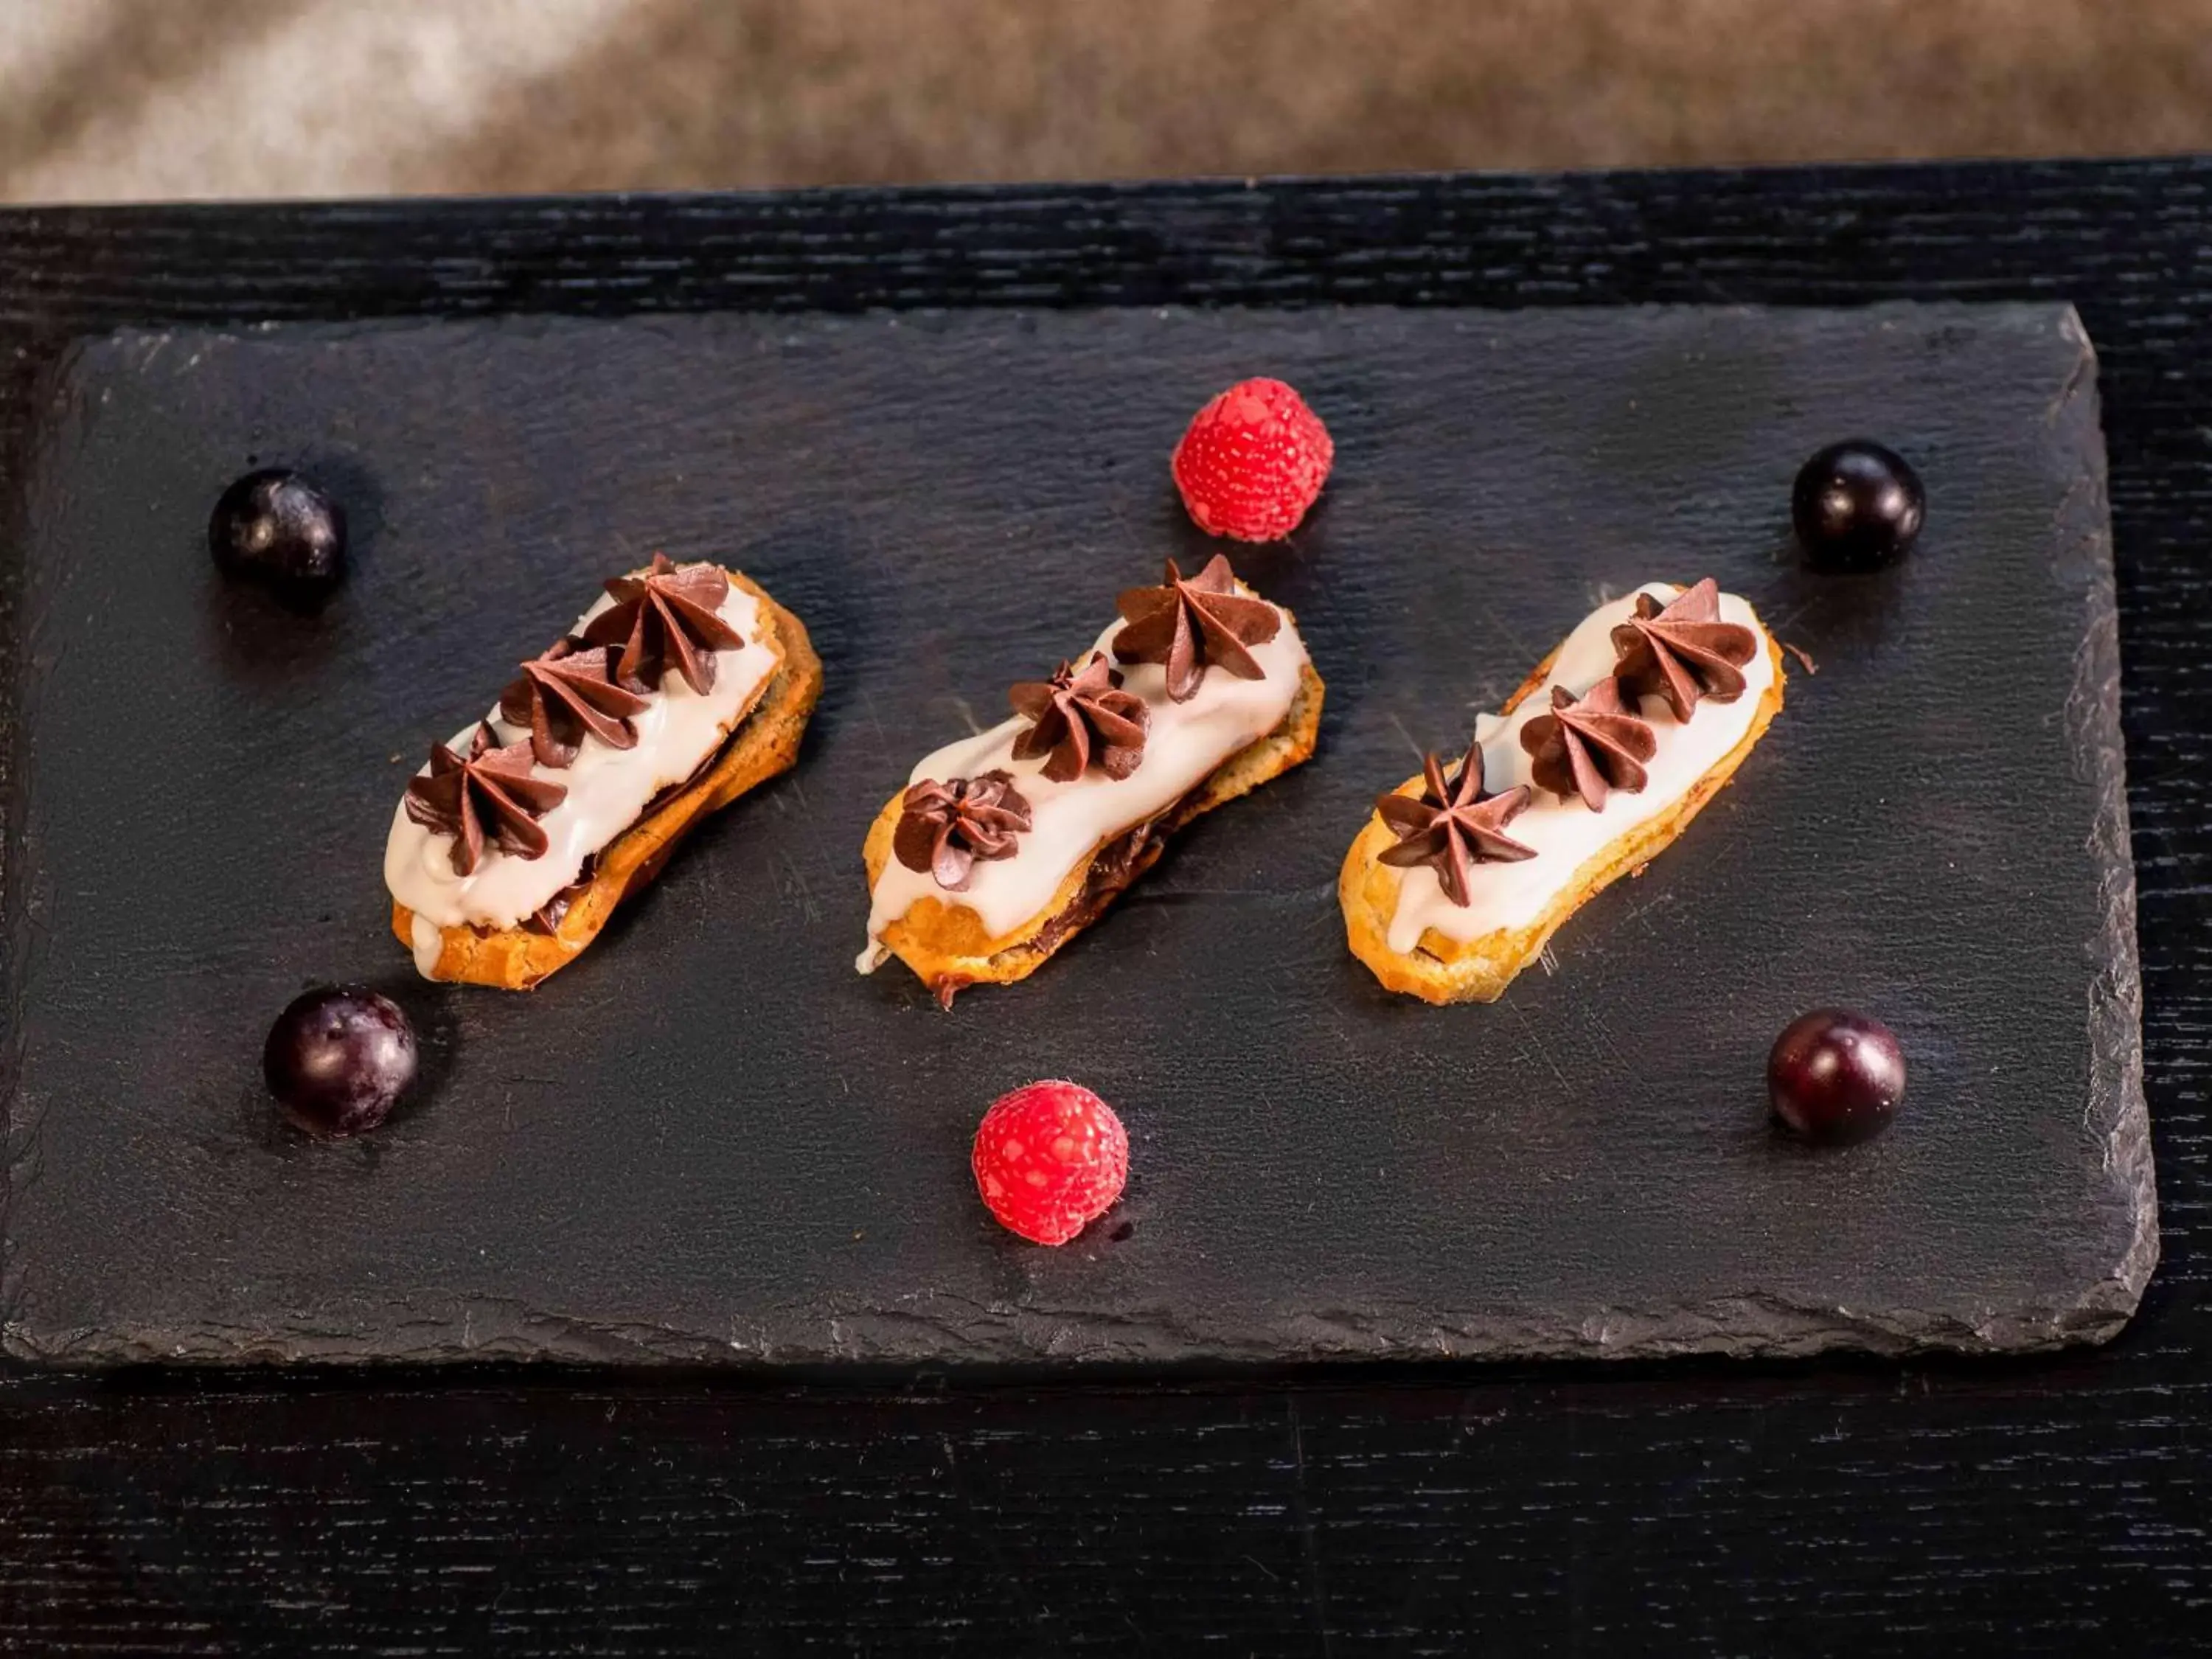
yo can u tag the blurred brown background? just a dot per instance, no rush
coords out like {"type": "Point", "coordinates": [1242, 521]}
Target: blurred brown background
{"type": "Point", "coordinates": [137, 99]}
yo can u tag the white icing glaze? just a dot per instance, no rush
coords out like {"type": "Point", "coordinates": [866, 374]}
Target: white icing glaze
{"type": "Point", "coordinates": [608, 788]}
{"type": "Point", "coordinates": [1184, 742]}
{"type": "Point", "coordinates": [1565, 832]}
{"type": "Point", "coordinates": [430, 942]}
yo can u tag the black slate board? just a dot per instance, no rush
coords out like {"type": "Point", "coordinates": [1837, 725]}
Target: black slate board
{"type": "Point", "coordinates": [709, 1140]}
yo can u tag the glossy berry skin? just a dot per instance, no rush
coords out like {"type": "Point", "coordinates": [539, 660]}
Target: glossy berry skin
{"type": "Point", "coordinates": [1050, 1159]}
{"type": "Point", "coordinates": [1857, 506]}
{"type": "Point", "coordinates": [275, 526]}
{"type": "Point", "coordinates": [338, 1058]}
{"type": "Point", "coordinates": [1252, 462]}
{"type": "Point", "coordinates": [1834, 1076]}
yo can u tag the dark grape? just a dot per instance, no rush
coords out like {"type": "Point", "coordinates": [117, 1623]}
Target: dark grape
{"type": "Point", "coordinates": [1857, 506]}
{"type": "Point", "coordinates": [338, 1058]}
{"type": "Point", "coordinates": [275, 526]}
{"type": "Point", "coordinates": [1835, 1076]}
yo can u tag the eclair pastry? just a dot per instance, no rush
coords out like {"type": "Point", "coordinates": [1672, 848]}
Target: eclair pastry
{"type": "Point", "coordinates": [681, 689]}
{"type": "Point", "coordinates": [1595, 763]}
{"type": "Point", "coordinates": [1006, 845]}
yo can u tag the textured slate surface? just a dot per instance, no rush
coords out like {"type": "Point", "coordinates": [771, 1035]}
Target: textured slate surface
{"type": "Point", "coordinates": [710, 1141]}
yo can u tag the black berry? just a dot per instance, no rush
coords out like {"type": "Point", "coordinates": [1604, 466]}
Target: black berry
{"type": "Point", "coordinates": [1857, 506]}
{"type": "Point", "coordinates": [277, 527]}
{"type": "Point", "coordinates": [338, 1058]}
{"type": "Point", "coordinates": [1835, 1076]}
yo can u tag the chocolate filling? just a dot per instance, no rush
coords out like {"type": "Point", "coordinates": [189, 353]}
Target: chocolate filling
{"type": "Point", "coordinates": [1113, 868]}
{"type": "Point", "coordinates": [663, 796]}
{"type": "Point", "coordinates": [547, 918]}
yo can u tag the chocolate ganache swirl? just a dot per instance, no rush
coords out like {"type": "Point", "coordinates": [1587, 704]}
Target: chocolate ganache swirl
{"type": "Point", "coordinates": [1452, 826]}
{"type": "Point", "coordinates": [1191, 623]}
{"type": "Point", "coordinates": [945, 828]}
{"type": "Point", "coordinates": [1683, 651]}
{"type": "Point", "coordinates": [1078, 716]}
{"type": "Point", "coordinates": [1589, 745]}
{"type": "Point", "coordinates": [666, 618]}
{"type": "Point", "coordinates": [489, 789]}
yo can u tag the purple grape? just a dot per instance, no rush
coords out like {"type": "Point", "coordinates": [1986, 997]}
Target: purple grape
{"type": "Point", "coordinates": [338, 1058]}
{"type": "Point", "coordinates": [1857, 506]}
{"type": "Point", "coordinates": [277, 527]}
{"type": "Point", "coordinates": [1835, 1076]}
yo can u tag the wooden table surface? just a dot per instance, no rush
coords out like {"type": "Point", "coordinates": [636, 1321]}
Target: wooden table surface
{"type": "Point", "coordinates": [2057, 1505]}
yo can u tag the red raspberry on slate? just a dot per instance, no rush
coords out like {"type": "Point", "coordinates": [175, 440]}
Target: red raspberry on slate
{"type": "Point", "coordinates": [1050, 1159]}
{"type": "Point", "coordinates": [1253, 461]}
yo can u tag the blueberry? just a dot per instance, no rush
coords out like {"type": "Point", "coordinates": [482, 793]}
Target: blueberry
{"type": "Point", "coordinates": [1857, 506]}
{"type": "Point", "coordinates": [275, 526]}
{"type": "Point", "coordinates": [1835, 1076]}
{"type": "Point", "coordinates": [338, 1058]}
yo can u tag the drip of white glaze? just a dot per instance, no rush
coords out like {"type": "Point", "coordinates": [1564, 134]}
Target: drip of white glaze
{"type": "Point", "coordinates": [1184, 742]}
{"type": "Point", "coordinates": [608, 789]}
{"type": "Point", "coordinates": [1565, 832]}
{"type": "Point", "coordinates": [429, 943]}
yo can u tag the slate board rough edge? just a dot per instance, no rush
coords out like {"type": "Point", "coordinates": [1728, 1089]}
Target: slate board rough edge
{"type": "Point", "coordinates": [25, 384]}
{"type": "Point", "coordinates": [1739, 1326]}
{"type": "Point", "coordinates": [2116, 1110]}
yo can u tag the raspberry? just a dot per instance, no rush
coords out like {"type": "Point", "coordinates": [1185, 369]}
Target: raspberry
{"type": "Point", "coordinates": [1253, 461]}
{"type": "Point", "coordinates": [1049, 1158]}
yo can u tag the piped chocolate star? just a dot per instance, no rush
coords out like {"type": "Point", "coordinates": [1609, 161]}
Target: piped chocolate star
{"type": "Point", "coordinates": [1683, 651]}
{"type": "Point", "coordinates": [1590, 746]}
{"type": "Point", "coordinates": [1191, 623]}
{"type": "Point", "coordinates": [1451, 827]}
{"type": "Point", "coordinates": [1078, 716]}
{"type": "Point", "coordinates": [567, 692]}
{"type": "Point", "coordinates": [489, 789]}
{"type": "Point", "coordinates": [944, 828]}
{"type": "Point", "coordinates": [665, 618]}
